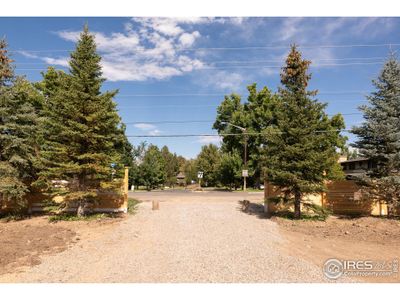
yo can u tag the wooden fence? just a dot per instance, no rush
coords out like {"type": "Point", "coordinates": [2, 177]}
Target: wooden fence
{"type": "Point", "coordinates": [105, 202]}
{"type": "Point", "coordinates": [342, 197]}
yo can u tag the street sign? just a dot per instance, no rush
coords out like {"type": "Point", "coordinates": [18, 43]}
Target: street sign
{"type": "Point", "coordinates": [199, 174]}
{"type": "Point", "coordinates": [245, 173]}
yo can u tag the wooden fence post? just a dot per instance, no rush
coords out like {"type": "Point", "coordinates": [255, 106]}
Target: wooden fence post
{"type": "Point", "coordinates": [126, 187]}
{"type": "Point", "coordinates": [155, 205]}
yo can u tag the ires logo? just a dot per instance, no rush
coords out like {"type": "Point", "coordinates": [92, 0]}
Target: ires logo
{"type": "Point", "coordinates": [335, 268]}
{"type": "Point", "coordinates": [357, 265]}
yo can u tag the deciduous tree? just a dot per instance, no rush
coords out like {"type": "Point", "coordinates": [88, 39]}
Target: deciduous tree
{"type": "Point", "coordinates": [207, 162]}
{"type": "Point", "coordinates": [230, 169]}
{"type": "Point", "coordinates": [152, 169]}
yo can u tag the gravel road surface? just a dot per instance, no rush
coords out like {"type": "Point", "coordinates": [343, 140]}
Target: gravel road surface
{"type": "Point", "coordinates": [194, 237]}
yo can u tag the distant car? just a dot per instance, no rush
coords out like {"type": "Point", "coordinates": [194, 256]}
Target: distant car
{"type": "Point", "coordinates": [261, 186]}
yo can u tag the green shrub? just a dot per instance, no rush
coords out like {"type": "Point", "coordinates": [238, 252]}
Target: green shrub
{"type": "Point", "coordinates": [132, 205]}
{"type": "Point", "coordinates": [310, 212]}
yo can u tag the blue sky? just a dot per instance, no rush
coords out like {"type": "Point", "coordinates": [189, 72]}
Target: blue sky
{"type": "Point", "coordinates": [179, 69]}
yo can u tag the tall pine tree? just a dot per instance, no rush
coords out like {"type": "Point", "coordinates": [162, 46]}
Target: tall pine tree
{"type": "Point", "coordinates": [379, 137]}
{"type": "Point", "coordinates": [19, 130]}
{"type": "Point", "coordinates": [301, 145]}
{"type": "Point", "coordinates": [84, 131]}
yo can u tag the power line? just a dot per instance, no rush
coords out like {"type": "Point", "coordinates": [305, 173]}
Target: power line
{"type": "Point", "coordinates": [217, 104]}
{"type": "Point", "coordinates": [224, 134]}
{"type": "Point", "coordinates": [170, 122]}
{"type": "Point", "coordinates": [171, 95]}
{"type": "Point", "coordinates": [222, 94]}
{"type": "Point", "coordinates": [165, 106]}
{"type": "Point", "coordinates": [201, 121]}
{"type": "Point", "coordinates": [283, 60]}
{"type": "Point", "coordinates": [222, 48]}
{"type": "Point", "coordinates": [246, 61]}
{"type": "Point", "coordinates": [243, 66]}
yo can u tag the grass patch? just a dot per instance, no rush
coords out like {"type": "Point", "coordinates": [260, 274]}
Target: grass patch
{"type": "Point", "coordinates": [310, 212]}
{"type": "Point", "coordinates": [250, 190]}
{"type": "Point", "coordinates": [132, 205]}
{"type": "Point", "coordinates": [70, 217]}
{"type": "Point", "coordinates": [8, 217]}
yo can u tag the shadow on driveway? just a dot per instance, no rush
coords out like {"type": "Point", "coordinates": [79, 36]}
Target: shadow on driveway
{"type": "Point", "coordinates": [250, 208]}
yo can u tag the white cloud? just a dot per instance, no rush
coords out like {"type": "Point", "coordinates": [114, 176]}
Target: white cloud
{"type": "Point", "coordinates": [328, 31]}
{"type": "Point", "coordinates": [187, 39]}
{"type": "Point", "coordinates": [144, 126]}
{"type": "Point", "coordinates": [209, 140]}
{"type": "Point", "coordinates": [222, 80]}
{"type": "Point", "coordinates": [150, 129]}
{"type": "Point", "coordinates": [154, 132]}
{"type": "Point", "coordinates": [149, 48]}
{"type": "Point", "coordinates": [62, 61]}
{"type": "Point", "coordinates": [71, 36]}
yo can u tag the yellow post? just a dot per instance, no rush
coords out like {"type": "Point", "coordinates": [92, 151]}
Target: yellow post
{"type": "Point", "coordinates": [126, 187]}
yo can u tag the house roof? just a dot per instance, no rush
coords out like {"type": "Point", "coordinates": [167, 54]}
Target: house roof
{"type": "Point", "coordinates": [180, 175]}
{"type": "Point", "coordinates": [355, 160]}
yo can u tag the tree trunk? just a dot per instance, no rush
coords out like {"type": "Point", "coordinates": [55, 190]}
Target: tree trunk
{"type": "Point", "coordinates": [390, 210]}
{"type": "Point", "coordinates": [81, 209]}
{"type": "Point", "coordinates": [297, 201]}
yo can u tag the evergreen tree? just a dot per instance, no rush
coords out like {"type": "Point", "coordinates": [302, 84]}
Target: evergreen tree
{"type": "Point", "coordinates": [207, 162]}
{"type": "Point", "coordinates": [301, 149]}
{"type": "Point", "coordinates": [84, 131]}
{"type": "Point", "coordinates": [379, 137]}
{"type": "Point", "coordinates": [19, 129]}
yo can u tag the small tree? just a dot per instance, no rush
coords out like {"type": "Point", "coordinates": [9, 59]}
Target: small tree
{"type": "Point", "coordinates": [138, 153]}
{"type": "Point", "coordinates": [379, 137]}
{"type": "Point", "coordinates": [152, 169]}
{"type": "Point", "coordinates": [171, 166]}
{"type": "Point", "coordinates": [301, 146]}
{"type": "Point", "coordinates": [230, 169]}
{"type": "Point", "coordinates": [190, 169]}
{"type": "Point", "coordinates": [207, 162]}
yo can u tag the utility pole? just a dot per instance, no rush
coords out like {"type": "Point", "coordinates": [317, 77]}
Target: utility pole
{"type": "Point", "coordinates": [245, 172]}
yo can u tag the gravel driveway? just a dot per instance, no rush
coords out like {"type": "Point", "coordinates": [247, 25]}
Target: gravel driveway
{"type": "Point", "coordinates": [194, 237]}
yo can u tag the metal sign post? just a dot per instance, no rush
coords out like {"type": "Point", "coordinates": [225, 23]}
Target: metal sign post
{"type": "Point", "coordinates": [200, 176]}
{"type": "Point", "coordinates": [245, 174]}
